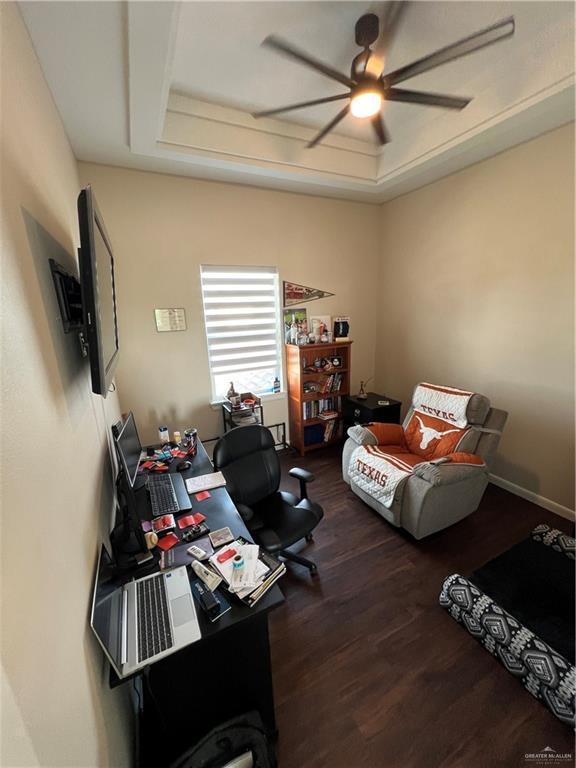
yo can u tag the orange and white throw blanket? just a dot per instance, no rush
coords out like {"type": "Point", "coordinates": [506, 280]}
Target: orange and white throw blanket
{"type": "Point", "coordinates": [378, 473]}
{"type": "Point", "coordinates": [445, 403]}
{"type": "Point", "coordinates": [437, 425]}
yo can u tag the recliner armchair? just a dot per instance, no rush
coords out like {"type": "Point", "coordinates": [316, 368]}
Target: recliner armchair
{"type": "Point", "coordinates": [439, 492]}
{"type": "Point", "coordinates": [247, 458]}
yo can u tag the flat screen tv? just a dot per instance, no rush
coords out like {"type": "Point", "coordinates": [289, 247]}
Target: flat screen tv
{"type": "Point", "coordinates": [98, 293]}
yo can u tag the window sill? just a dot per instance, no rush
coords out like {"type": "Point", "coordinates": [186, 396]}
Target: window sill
{"type": "Point", "coordinates": [267, 397]}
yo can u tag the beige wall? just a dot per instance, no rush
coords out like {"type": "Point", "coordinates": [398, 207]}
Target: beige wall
{"type": "Point", "coordinates": [164, 227]}
{"type": "Point", "coordinates": [57, 709]}
{"type": "Point", "coordinates": [471, 280]}
{"type": "Point", "coordinates": [477, 291]}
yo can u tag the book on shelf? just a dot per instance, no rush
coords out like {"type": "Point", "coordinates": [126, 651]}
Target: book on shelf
{"type": "Point", "coordinates": [332, 430]}
{"type": "Point", "coordinates": [332, 383]}
{"type": "Point", "coordinates": [328, 415]}
{"type": "Point", "coordinates": [314, 409]}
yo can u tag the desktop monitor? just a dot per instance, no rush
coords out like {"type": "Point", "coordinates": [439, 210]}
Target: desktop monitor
{"type": "Point", "coordinates": [129, 448]}
{"type": "Point", "coordinates": [130, 538]}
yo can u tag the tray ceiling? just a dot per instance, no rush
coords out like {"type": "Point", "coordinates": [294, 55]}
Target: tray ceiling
{"type": "Point", "coordinates": [170, 86]}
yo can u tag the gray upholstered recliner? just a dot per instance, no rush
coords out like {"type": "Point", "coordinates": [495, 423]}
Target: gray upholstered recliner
{"type": "Point", "coordinates": [436, 496]}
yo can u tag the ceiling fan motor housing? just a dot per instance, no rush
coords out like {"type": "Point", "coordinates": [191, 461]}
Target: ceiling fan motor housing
{"type": "Point", "coordinates": [367, 29]}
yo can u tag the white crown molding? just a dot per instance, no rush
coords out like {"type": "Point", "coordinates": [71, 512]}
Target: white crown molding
{"type": "Point", "coordinates": [554, 103]}
{"type": "Point", "coordinates": [180, 103]}
{"type": "Point", "coordinates": [231, 139]}
{"type": "Point", "coordinates": [151, 36]}
{"type": "Point", "coordinates": [196, 127]}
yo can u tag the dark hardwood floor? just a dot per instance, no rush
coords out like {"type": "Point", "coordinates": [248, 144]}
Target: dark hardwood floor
{"type": "Point", "coordinates": [369, 671]}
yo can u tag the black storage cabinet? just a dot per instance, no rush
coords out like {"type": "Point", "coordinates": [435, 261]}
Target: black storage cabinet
{"type": "Point", "coordinates": [364, 411]}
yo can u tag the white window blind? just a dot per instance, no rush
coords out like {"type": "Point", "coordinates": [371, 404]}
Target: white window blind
{"type": "Point", "coordinates": [242, 319]}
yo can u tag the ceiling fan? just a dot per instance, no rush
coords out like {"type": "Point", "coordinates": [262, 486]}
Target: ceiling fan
{"type": "Point", "coordinates": [369, 87]}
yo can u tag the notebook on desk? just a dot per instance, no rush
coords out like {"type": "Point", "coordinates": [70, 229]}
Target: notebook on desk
{"type": "Point", "coordinates": [144, 620]}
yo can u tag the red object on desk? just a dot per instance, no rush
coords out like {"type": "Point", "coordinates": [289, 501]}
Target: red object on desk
{"type": "Point", "coordinates": [202, 495]}
{"type": "Point", "coordinates": [226, 555]}
{"type": "Point", "coordinates": [168, 541]}
{"type": "Point", "coordinates": [163, 523]}
{"type": "Point", "coordinates": [188, 520]}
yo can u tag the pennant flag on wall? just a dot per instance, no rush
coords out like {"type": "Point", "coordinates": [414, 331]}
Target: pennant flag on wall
{"type": "Point", "coordinates": [298, 294]}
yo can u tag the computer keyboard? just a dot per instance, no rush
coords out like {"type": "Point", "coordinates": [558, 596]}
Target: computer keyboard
{"type": "Point", "coordinates": [163, 497]}
{"type": "Point", "coordinates": [154, 632]}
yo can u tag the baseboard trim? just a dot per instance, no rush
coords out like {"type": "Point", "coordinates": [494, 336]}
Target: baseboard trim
{"type": "Point", "coordinates": [542, 501]}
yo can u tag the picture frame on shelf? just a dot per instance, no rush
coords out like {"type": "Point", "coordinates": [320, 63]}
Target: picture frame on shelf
{"type": "Point", "coordinates": [295, 325]}
{"type": "Point", "coordinates": [320, 326]}
{"type": "Point", "coordinates": [342, 328]}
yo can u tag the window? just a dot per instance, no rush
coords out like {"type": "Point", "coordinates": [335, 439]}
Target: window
{"type": "Point", "coordinates": [242, 320]}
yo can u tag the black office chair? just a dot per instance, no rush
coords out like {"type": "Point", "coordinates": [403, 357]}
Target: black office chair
{"type": "Point", "coordinates": [247, 458]}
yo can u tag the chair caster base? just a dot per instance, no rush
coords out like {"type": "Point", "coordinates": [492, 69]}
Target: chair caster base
{"type": "Point", "coordinates": [287, 555]}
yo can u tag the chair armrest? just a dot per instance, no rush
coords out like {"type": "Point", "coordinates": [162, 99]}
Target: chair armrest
{"type": "Point", "coordinates": [304, 477]}
{"type": "Point", "coordinates": [302, 474]}
{"type": "Point", "coordinates": [377, 434]}
{"type": "Point", "coordinates": [450, 469]}
{"type": "Point", "coordinates": [362, 436]}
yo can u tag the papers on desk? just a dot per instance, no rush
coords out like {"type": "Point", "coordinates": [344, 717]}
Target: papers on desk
{"type": "Point", "coordinates": [243, 580]}
{"type": "Point", "coordinates": [205, 482]}
{"type": "Point", "coordinates": [254, 579]}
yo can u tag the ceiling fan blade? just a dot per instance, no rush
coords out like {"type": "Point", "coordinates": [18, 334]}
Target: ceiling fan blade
{"type": "Point", "coordinates": [340, 116]}
{"type": "Point", "coordinates": [294, 53]}
{"type": "Point", "coordinates": [380, 129]}
{"type": "Point", "coordinates": [426, 99]}
{"type": "Point", "coordinates": [300, 105]}
{"type": "Point", "coordinates": [485, 37]}
{"type": "Point", "coordinates": [390, 20]}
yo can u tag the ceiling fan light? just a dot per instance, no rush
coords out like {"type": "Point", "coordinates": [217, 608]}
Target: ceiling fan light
{"type": "Point", "coordinates": [366, 104]}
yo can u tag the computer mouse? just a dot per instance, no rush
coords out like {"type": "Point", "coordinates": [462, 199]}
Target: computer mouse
{"type": "Point", "coordinates": [182, 466]}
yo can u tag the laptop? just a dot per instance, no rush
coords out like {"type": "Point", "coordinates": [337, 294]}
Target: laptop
{"type": "Point", "coordinates": [144, 620]}
{"type": "Point", "coordinates": [168, 494]}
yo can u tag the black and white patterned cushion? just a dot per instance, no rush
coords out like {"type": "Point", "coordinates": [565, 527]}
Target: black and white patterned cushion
{"type": "Point", "coordinates": [544, 672]}
{"type": "Point", "coordinates": [559, 541]}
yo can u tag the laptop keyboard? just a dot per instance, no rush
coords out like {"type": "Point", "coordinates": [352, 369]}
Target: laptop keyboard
{"type": "Point", "coordinates": [154, 632]}
{"type": "Point", "coordinates": [163, 497]}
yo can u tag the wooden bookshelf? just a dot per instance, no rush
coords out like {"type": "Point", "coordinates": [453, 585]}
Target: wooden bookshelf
{"type": "Point", "coordinates": [308, 432]}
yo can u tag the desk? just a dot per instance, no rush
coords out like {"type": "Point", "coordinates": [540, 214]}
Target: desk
{"type": "Point", "coordinates": [226, 673]}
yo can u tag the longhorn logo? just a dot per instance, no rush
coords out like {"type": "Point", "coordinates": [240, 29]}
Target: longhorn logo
{"type": "Point", "coordinates": [429, 434]}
